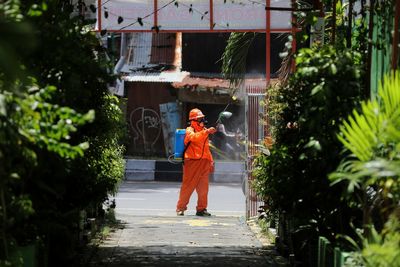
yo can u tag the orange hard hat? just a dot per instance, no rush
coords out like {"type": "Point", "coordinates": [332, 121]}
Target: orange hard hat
{"type": "Point", "coordinates": [195, 114]}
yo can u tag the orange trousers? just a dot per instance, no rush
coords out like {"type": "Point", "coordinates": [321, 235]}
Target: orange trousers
{"type": "Point", "coordinates": [195, 176]}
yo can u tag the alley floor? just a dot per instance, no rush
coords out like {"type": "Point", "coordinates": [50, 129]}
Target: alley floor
{"type": "Point", "coordinates": [150, 234]}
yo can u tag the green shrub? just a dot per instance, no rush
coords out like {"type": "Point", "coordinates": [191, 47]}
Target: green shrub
{"type": "Point", "coordinates": [60, 149]}
{"type": "Point", "coordinates": [29, 125]}
{"type": "Point", "coordinates": [324, 88]}
{"type": "Point", "coordinates": [371, 172]}
{"type": "Point", "coordinates": [293, 179]}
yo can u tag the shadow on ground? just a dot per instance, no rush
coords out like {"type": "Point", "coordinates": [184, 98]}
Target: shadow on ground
{"type": "Point", "coordinates": [182, 241]}
{"type": "Point", "coordinates": [184, 256]}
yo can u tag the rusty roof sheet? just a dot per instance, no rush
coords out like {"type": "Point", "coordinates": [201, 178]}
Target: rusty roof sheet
{"type": "Point", "coordinates": [163, 48]}
{"type": "Point", "coordinates": [161, 77]}
{"type": "Point", "coordinates": [149, 50]}
{"type": "Point", "coordinates": [190, 81]}
{"type": "Point", "coordinates": [194, 82]}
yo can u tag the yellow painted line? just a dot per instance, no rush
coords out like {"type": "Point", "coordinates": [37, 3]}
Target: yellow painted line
{"type": "Point", "coordinates": [194, 223]}
{"type": "Point", "coordinates": [201, 223]}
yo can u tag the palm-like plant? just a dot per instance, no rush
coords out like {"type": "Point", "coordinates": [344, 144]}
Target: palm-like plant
{"type": "Point", "coordinates": [235, 56]}
{"type": "Point", "coordinates": [372, 172]}
{"type": "Point", "coordinates": [372, 133]}
{"type": "Point", "coordinates": [373, 138]}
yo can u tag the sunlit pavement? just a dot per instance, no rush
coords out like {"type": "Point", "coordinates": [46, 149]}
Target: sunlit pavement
{"type": "Point", "coordinates": [150, 233]}
{"type": "Point", "coordinates": [160, 198]}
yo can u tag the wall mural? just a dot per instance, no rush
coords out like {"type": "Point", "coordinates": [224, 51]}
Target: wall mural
{"type": "Point", "coordinates": [145, 124]}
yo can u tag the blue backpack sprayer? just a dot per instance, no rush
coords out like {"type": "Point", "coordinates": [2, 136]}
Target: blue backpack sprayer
{"type": "Point", "coordinates": [179, 144]}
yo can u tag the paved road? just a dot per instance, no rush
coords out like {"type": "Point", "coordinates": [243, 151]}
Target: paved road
{"type": "Point", "coordinates": [159, 198]}
{"type": "Point", "coordinates": [152, 235]}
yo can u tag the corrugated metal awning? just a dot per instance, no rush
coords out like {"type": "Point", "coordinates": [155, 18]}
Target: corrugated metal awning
{"type": "Point", "coordinates": [165, 76]}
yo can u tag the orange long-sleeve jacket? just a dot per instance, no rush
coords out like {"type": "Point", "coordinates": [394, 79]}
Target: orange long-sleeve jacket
{"type": "Point", "coordinates": [198, 148]}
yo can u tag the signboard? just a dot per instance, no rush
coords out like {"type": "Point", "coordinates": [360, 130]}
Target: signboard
{"type": "Point", "coordinates": [317, 31]}
{"type": "Point", "coordinates": [194, 15]}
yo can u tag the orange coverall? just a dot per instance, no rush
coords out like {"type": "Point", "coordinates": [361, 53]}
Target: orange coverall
{"type": "Point", "coordinates": [198, 164]}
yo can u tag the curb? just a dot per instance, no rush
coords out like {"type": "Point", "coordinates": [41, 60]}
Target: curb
{"type": "Point", "coordinates": [163, 170]}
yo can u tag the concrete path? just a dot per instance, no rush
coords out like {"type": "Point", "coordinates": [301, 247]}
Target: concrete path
{"type": "Point", "coordinates": [157, 237]}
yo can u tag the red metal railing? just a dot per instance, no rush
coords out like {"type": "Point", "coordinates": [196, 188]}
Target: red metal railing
{"type": "Point", "coordinates": [255, 131]}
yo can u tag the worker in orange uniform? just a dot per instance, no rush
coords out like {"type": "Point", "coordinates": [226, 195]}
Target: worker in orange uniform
{"type": "Point", "coordinates": [198, 164]}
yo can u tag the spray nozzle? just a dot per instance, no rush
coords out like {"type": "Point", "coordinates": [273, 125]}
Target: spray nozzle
{"type": "Point", "coordinates": [225, 115]}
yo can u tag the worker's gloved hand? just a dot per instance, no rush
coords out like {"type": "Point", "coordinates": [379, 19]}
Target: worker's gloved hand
{"type": "Point", "coordinates": [211, 130]}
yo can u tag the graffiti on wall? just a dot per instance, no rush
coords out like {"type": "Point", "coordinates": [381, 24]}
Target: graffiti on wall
{"type": "Point", "coordinates": [146, 128]}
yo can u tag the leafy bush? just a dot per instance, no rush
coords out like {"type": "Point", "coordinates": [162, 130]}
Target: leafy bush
{"type": "Point", "coordinates": [371, 172]}
{"type": "Point", "coordinates": [29, 125]}
{"type": "Point", "coordinates": [373, 139]}
{"type": "Point", "coordinates": [56, 157]}
{"type": "Point", "coordinates": [324, 88]}
{"type": "Point", "coordinates": [293, 178]}
{"type": "Point", "coordinates": [382, 250]}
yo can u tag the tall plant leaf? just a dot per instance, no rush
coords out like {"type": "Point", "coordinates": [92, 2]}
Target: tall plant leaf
{"type": "Point", "coordinates": [368, 134]}
{"type": "Point", "coordinates": [235, 55]}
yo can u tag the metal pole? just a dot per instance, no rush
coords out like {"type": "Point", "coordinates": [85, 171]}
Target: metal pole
{"type": "Point", "coordinates": [246, 117]}
{"type": "Point", "coordinates": [268, 43]}
{"type": "Point", "coordinates": [211, 15]}
{"type": "Point", "coordinates": [155, 14]}
{"type": "Point", "coordinates": [334, 21]}
{"type": "Point", "coordinates": [350, 26]}
{"type": "Point", "coordinates": [99, 15]}
{"type": "Point", "coordinates": [294, 28]}
{"type": "Point", "coordinates": [395, 45]}
{"type": "Point", "coordinates": [367, 92]}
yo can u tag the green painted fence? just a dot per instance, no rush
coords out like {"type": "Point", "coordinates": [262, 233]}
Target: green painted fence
{"type": "Point", "coordinates": [329, 256]}
{"type": "Point", "coordinates": [382, 46]}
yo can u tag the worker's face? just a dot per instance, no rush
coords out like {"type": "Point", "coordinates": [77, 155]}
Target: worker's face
{"type": "Point", "coordinates": [200, 122]}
